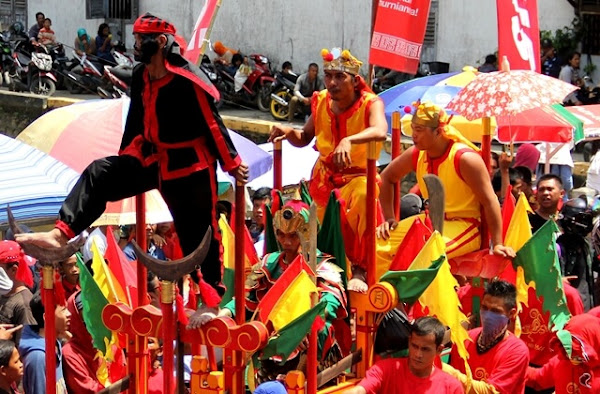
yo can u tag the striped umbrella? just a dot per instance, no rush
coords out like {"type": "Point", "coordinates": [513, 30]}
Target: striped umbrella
{"type": "Point", "coordinates": [31, 182]}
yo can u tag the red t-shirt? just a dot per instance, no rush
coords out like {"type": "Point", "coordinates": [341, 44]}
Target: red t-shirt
{"type": "Point", "coordinates": [504, 366]}
{"type": "Point", "coordinates": [392, 376]}
{"type": "Point", "coordinates": [565, 377]}
{"type": "Point", "coordinates": [535, 332]}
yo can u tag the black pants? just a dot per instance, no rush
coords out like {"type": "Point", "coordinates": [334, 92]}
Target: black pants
{"type": "Point", "coordinates": [191, 200]}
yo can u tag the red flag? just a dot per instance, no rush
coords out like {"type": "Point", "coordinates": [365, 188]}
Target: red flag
{"type": "Point", "coordinates": [398, 34]}
{"type": "Point", "coordinates": [121, 267]}
{"type": "Point", "coordinates": [411, 245]}
{"type": "Point", "coordinates": [519, 34]}
{"type": "Point", "coordinates": [201, 30]}
{"type": "Point", "coordinates": [267, 303]}
{"type": "Point", "coordinates": [508, 208]}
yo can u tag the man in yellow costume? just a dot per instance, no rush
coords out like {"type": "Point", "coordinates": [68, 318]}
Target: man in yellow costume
{"type": "Point", "coordinates": [345, 116]}
{"type": "Point", "coordinates": [441, 150]}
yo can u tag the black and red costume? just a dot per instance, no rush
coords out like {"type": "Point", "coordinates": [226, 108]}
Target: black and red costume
{"type": "Point", "coordinates": [172, 141]}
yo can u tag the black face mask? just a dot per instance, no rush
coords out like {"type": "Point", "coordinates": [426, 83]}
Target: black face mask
{"type": "Point", "coordinates": [146, 50]}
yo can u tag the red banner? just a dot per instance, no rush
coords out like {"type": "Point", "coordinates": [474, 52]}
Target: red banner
{"type": "Point", "coordinates": [519, 34]}
{"type": "Point", "coordinates": [398, 34]}
{"type": "Point", "coordinates": [201, 31]}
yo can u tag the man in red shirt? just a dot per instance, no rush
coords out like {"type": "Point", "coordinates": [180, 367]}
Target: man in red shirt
{"type": "Point", "coordinates": [415, 374]}
{"type": "Point", "coordinates": [498, 359]}
{"type": "Point", "coordinates": [577, 371]}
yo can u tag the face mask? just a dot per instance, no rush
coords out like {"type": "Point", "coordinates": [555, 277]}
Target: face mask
{"type": "Point", "coordinates": [144, 52]}
{"type": "Point", "coordinates": [494, 325]}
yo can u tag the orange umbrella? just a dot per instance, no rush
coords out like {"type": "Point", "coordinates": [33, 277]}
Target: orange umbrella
{"type": "Point", "coordinates": [122, 212]}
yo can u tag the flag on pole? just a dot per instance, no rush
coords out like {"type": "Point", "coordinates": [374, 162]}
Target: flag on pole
{"type": "Point", "coordinates": [122, 268]}
{"type": "Point", "coordinates": [105, 279]}
{"type": "Point", "coordinates": [538, 260]}
{"type": "Point", "coordinates": [440, 297]}
{"type": "Point", "coordinates": [228, 241]}
{"type": "Point", "coordinates": [290, 295]}
{"type": "Point", "coordinates": [202, 29]}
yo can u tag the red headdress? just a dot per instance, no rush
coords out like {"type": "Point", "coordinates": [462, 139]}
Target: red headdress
{"type": "Point", "coordinates": [148, 24]}
{"type": "Point", "coordinates": [11, 252]}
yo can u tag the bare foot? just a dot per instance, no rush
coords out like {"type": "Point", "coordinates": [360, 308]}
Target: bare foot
{"type": "Point", "coordinates": [202, 316]}
{"type": "Point", "coordinates": [49, 240]}
{"type": "Point", "coordinates": [357, 285]}
{"type": "Point", "coordinates": [49, 247]}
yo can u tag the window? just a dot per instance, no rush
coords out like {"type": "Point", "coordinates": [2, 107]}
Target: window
{"type": "Point", "coordinates": [590, 40]}
{"type": "Point", "coordinates": [112, 9]}
{"type": "Point", "coordinates": [12, 11]}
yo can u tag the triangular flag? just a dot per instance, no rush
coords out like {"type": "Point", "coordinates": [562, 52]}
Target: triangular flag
{"type": "Point", "coordinates": [412, 243]}
{"type": "Point", "coordinates": [508, 207]}
{"type": "Point", "coordinates": [122, 268]}
{"type": "Point", "coordinates": [105, 279]}
{"type": "Point", "coordinates": [289, 296]}
{"type": "Point", "coordinates": [286, 340]}
{"type": "Point", "coordinates": [441, 297]}
{"type": "Point", "coordinates": [538, 261]}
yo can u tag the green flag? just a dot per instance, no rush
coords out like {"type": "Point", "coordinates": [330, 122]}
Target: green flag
{"type": "Point", "coordinates": [411, 284]}
{"type": "Point", "coordinates": [329, 239]}
{"type": "Point", "coordinates": [289, 337]}
{"type": "Point", "coordinates": [93, 302]}
{"type": "Point", "coordinates": [539, 261]}
{"type": "Point", "coordinates": [271, 245]}
{"type": "Point", "coordinates": [305, 193]}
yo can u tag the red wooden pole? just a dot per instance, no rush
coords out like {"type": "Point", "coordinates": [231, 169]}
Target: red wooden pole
{"type": "Point", "coordinates": [239, 280]}
{"type": "Point", "coordinates": [277, 166]}
{"type": "Point", "coordinates": [371, 212]}
{"type": "Point", "coordinates": [50, 327]}
{"type": "Point", "coordinates": [486, 155]}
{"type": "Point", "coordinates": [166, 305]}
{"type": "Point", "coordinates": [139, 383]}
{"type": "Point", "coordinates": [396, 151]}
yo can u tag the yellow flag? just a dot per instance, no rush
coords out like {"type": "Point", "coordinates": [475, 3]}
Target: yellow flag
{"type": "Point", "coordinates": [440, 297]}
{"type": "Point", "coordinates": [228, 241]}
{"type": "Point", "coordinates": [295, 301]}
{"type": "Point", "coordinates": [517, 234]}
{"type": "Point", "coordinates": [105, 279]}
{"type": "Point", "coordinates": [519, 229]}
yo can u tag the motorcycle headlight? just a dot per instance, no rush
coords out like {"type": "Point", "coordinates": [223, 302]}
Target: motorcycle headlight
{"type": "Point", "coordinates": [264, 59]}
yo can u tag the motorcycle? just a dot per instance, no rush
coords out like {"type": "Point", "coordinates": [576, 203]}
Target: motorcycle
{"type": "Point", "coordinates": [211, 72]}
{"type": "Point", "coordinates": [90, 76]}
{"type": "Point", "coordinates": [5, 55]}
{"type": "Point", "coordinates": [32, 71]}
{"type": "Point", "coordinates": [256, 90]}
{"type": "Point", "coordinates": [282, 92]}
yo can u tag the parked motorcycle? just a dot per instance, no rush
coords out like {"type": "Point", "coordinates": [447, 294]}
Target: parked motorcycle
{"type": "Point", "coordinates": [90, 76]}
{"type": "Point", "coordinates": [5, 55]}
{"type": "Point", "coordinates": [211, 72]}
{"type": "Point", "coordinates": [255, 92]}
{"type": "Point", "coordinates": [32, 72]}
{"type": "Point", "coordinates": [282, 92]}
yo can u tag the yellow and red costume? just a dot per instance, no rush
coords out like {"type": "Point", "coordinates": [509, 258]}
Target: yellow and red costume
{"type": "Point", "coordinates": [330, 129]}
{"type": "Point", "coordinates": [462, 209]}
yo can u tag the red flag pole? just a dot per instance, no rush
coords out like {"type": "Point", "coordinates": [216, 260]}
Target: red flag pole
{"type": "Point", "coordinates": [166, 305]}
{"type": "Point", "coordinates": [239, 280]}
{"type": "Point", "coordinates": [140, 381]}
{"type": "Point", "coordinates": [396, 151]}
{"type": "Point", "coordinates": [371, 212]}
{"type": "Point", "coordinates": [50, 337]}
{"type": "Point", "coordinates": [277, 165]}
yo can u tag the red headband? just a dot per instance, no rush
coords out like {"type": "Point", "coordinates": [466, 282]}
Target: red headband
{"type": "Point", "coordinates": [11, 252]}
{"type": "Point", "coordinates": [148, 23]}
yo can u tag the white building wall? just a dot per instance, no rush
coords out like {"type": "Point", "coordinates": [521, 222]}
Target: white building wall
{"type": "Point", "coordinates": [296, 31]}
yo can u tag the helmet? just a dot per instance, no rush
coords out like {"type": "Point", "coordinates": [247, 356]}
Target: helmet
{"type": "Point", "coordinates": [576, 217]}
{"type": "Point", "coordinates": [546, 43]}
{"type": "Point", "coordinates": [18, 27]}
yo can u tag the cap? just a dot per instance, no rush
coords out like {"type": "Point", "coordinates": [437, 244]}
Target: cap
{"type": "Point", "coordinates": [148, 24]}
